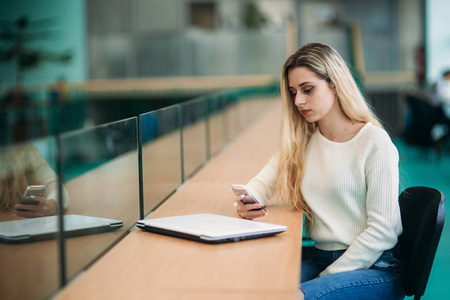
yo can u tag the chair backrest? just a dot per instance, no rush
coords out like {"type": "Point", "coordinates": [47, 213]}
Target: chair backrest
{"type": "Point", "coordinates": [423, 214]}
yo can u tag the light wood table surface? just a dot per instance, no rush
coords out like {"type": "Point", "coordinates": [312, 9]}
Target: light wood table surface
{"type": "Point", "coordinates": [152, 266]}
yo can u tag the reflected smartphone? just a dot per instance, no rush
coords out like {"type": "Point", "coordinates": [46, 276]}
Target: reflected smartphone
{"type": "Point", "coordinates": [240, 189]}
{"type": "Point", "coordinates": [32, 190]}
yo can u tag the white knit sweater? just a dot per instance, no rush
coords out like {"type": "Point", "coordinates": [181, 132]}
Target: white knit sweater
{"type": "Point", "coordinates": [352, 190]}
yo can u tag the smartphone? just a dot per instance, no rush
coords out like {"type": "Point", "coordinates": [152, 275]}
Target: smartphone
{"type": "Point", "coordinates": [32, 190]}
{"type": "Point", "coordinates": [240, 189]}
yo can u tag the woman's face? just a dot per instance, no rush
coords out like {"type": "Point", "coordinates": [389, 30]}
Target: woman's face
{"type": "Point", "coordinates": [314, 97]}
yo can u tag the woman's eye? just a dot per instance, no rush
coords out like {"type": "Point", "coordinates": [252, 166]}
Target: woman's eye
{"type": "Point", "coordinates": [293, 93]}
{"type": "Point", "coordinates": [308, 90]}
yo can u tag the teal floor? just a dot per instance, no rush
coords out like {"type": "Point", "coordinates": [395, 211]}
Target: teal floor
{"type": "Point", "coordinates": [425, 169]}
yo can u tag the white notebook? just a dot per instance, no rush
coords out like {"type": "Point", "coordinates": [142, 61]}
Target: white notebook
{"type": "Point", "coordinates": [45, 228]}
{"type": "Point", "coordinates": [210, 228]}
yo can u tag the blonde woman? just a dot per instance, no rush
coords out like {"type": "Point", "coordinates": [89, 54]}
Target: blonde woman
{"type": "Point", "coordinates": [20, 166]}
{"type": "Point", "coordinates": [338, 165]}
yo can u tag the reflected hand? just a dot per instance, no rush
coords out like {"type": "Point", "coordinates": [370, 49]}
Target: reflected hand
{"type": "Point", "coordinates": [249, 211]}
{"type": "Point", "coordinates": [44, 207]}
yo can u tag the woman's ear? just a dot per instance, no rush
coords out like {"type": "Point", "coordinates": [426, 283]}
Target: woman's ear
{"type": "Point", "coordinates": [332, 86]}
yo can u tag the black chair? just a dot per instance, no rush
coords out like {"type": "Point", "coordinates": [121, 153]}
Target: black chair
{"type": "Point", "coordinates": [423, 214]}
{"type": "Point", "coordinates": [423, 117]}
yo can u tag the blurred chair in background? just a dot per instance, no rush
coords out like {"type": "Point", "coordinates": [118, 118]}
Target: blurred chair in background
{"type": "Point", "coordinates": [425, 126]}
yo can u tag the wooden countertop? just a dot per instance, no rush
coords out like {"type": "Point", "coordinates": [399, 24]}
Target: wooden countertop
{"type": "Point", "coordinates": [154, 266]}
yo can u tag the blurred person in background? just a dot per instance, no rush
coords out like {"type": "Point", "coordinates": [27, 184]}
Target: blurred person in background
{"type": "Point", "coordinates": [440, 100]}
{"type": "Point", "coordinates": [440, 93]}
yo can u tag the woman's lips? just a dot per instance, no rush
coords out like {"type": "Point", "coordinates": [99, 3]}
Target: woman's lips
{"type": "Point", "coordinates": [305, 111]}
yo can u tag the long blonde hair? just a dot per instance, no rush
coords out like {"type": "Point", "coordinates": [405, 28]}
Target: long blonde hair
{"type": "Point", "coordinates": [15, 172]}
{"type": "Point", "coordinates": [296, 132]}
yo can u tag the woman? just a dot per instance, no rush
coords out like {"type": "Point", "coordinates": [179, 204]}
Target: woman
{"type": "Point", "coordinates": [337, 165]}
{"type": "Point", "coordinates": [22, 165]}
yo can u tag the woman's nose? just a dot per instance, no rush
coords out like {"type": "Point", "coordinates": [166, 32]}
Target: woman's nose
{"type": "Point", "coordinates": [299, 100]}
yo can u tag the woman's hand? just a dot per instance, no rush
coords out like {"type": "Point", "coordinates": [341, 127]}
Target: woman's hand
{"type": "Point", "coordinates": [45, 207]}
{"type": "Point", "coordinates": [249, 211]}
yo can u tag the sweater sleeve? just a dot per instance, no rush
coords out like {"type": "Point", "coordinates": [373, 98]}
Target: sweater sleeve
{"type": "Point", "coordinates": [383, 214]}
{"type": "Point", "coordinates": [44, 174]}
{"type": "Point", "coordinates": [262, 186]}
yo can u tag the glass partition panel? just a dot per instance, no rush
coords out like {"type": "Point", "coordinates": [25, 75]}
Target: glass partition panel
{"type": "Point", "coordinates": [47, 120]}
{"type": "Point", "coordinates": [161, 155]}
{"type": "Point", "coordinates": [237, 116]}
{"type": "Point", "coordinates": [29, 245]}
{"type": "Point", "coordinates": [217, 123]}
{"type": "Point", "coordinates": [23, 124]}
{"type": "Point", "coordinates": [265, 102]}
{"type": "Point", "coordinates": [245, 106]}
{"type": "Point", "coordinates": [193, 116]}
{"type": "Point", "coordinates": [256, 104]}
{"type": "Point", "coordinates": [101, 177]}
{"type": "Point", "coordinates": [73, 114]}
{"type": "Point", "coordinates": [250, 107]}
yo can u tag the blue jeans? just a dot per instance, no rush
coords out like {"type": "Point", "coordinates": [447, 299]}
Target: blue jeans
{"type": "Point", "coordinates": [384, 280]}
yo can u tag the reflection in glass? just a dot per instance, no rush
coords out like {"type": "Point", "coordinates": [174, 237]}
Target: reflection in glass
{"type": "Point", "coordinates": [194, 135]}
{"type": "Point", "coordinates": [29, 185]}
{"type": "Point", "coordinates": [22, 259]}
{"type": "Point", "coordinates": [19, 124]}
{"type": "Point", "coordinates": [161, 155]}
{"type": "Point", "coordinates": [100, 172]}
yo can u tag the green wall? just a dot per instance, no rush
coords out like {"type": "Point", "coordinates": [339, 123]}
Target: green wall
{"type": "Point", "coordinates": [69, 23]}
